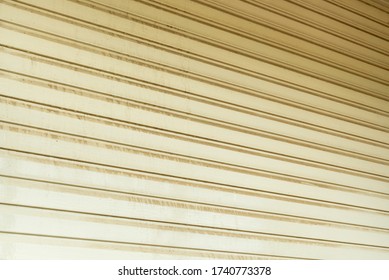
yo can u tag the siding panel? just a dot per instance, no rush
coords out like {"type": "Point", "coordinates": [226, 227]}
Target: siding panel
{"type": "Point", "coordinates": [214, 129]}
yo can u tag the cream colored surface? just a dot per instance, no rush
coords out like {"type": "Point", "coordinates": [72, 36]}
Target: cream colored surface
{"type": "Point", "coordinates": [194, 129]}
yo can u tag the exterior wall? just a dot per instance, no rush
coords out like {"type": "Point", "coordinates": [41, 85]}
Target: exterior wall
{"type": "Point", "coordinates": [253, 129]}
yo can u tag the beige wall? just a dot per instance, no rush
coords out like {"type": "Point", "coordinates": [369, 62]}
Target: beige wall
{"type": "Point", "coordinates": [194, 129]}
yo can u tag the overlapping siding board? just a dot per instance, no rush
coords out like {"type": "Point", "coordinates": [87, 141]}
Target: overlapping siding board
{"type": "Point", "coordinates": [252, 129]}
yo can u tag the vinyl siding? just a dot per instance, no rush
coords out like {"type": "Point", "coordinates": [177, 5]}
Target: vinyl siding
{"type": "Point", "coordinates": [194, 129]}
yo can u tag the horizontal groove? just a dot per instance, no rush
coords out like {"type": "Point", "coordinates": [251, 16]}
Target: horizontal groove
{"type": "Point", "coordinates": [119, 77]}
{"type": "Point", "coordinates": [382, 6]}
{"type": "Point", "coordinates": [283, 196]}
{"type": "Point", "coordinates": [201, 78]}
{"type": "Point", "coordinates": [174, 202]}
{"type": "Point", "coordinates": [369, 3]}
{"type": "Point", "coordinates": [359, 26]}
{"type": "Point", "coordinates": [216, 230]}
{"type": "Point", "coordinates": [289, 158]}
{"type": "Point", "coordinates": [301, 20]}
{"type": "Point", "coordinates": [265, 174]}
{"type": "Point", "coordinates": [241, 51]}
{"type": "Point", "coordinates": [89, 4]}
{"type": "Point", "coordinates": [205, 206]}
{"type": "Point", "coordinates": [204, 59]}
{"type": "Point", "coordinates": [356, 11]}
{"type": "Point", "coordinates": [208, 101]}
{"type": "Point", "coordinates": [187, 137]}
{"type": "Point", "coordinates": [98, 72]}
{"type": "Point", "coordinates": [113, 242]}
{"type": "Point", "coordinates": [349, 23]}
{"type": "Point", "coordinates": [315, 25]}
{"type": "Point", "coordinates": [279, 46]}
{"type": "Point", "coordinates": [169, 133]}
{"type": "Point", "coordinates": [296, 51]}
{"type": "Point", "coordinates": [255, 38]}
{"type": "Point", "coordinates": [208, 162]}
{"type": "Point", "coordinates": [193, 138]}
{"type": "Point", "coordinates": [302, 36]}
{"type": "Point", "coordinates": [328, 15]}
